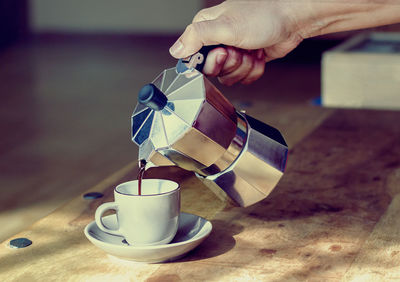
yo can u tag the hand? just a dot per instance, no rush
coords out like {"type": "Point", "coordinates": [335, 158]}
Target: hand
{"type": "Point", "coordinates": [259, 31]}
{"type": "Point", "coordinates": [255, 32]}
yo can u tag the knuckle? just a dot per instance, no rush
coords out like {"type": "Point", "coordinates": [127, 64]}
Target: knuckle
{"type": "Point", "coordinates": [258, 70]}
{"type": "Point", "coordinates": [254, 74]}
{"type": "Point", "coordinates": [234, 60]}
{"type": "Point", "coordinates": [201, 16]}
{"type": "Point", "coordinates": [234, 63]}
{"type": "Point", "coordinates": [248, 62]}
{"type": "Point", "coordinates": [189, 28]}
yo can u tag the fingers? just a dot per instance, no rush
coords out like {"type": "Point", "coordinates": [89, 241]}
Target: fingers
{"type": "Point", "coordinates": [205, 29]}
{"type": "Point", "coordinates": [221, 61]}
{"type": "Point", "coordinates": [215, 61]}
{"type": "Point", "coordinates": [255, 73]}
{"type": "Point", "coordinates": [240, 72]}
{"type": "Point", "coordinates": [233, 65]}
{"type": "Point", "coordinates": [233, 61]}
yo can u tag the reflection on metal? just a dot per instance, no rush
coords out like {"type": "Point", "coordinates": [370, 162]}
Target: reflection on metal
{"type": "Point", "coordinates": [158, 135]}
{"type": "Point", "coordinates": [174, 126]}
{"type": "Point", "coordinates": [183, 80]}
{"type": "Point", "coordinates": [182, 160]}
{"type": "Point", "coordinates": [139, 119]}
{"type": "Point", "coordinates": [257, 170]}
{"type": "Point", "coordinates": [201, 131]}
{"type": "Point", "coordinates": [159, 159]}
{"type": "Point", "coordinates": [144, 131]}
{"type": "Point", "coordinates": [198, 147]}
{"type": "Point", "coordinates": [187, 109]}
{"type": "Point", "coordinates": [158, 81]}
{"type": "Point", "coordinates": [146, 150]}
{"type": "Point", "coordinates": [232, 152]}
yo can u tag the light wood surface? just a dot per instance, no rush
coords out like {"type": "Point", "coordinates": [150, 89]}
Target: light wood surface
{"type": "Point", "coordinates": [333, 216]}
{"type": "Point", "coordinates": [65, 113]}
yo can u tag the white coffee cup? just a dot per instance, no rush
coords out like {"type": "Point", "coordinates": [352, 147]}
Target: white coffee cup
{"type": "Point", "coordinates": [147, 219]}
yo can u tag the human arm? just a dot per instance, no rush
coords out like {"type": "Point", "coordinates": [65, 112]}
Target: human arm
{"type": "Point", "coordinates": [258, 31]}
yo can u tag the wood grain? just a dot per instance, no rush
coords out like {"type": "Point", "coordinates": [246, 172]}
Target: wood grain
{"type": "Point", "coordinates": [66, 105]}
{"type": "Point", "coordinates": [332, 217]}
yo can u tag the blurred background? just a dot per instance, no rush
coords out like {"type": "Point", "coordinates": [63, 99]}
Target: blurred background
{"type": "Point", "coordinates": [69, 75]}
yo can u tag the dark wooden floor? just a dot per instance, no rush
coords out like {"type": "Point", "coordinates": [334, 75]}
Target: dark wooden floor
{"type": "Point", "coordinates": [65, 113]}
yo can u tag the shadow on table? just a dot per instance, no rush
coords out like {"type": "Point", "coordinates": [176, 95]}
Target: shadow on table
{"type": "Point", "coordinates": [219, 242]}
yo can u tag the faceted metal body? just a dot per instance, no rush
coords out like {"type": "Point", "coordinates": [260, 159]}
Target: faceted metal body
{"type": "Point", "coordinates": [201, 131]}
{"type": "Point", "coordinates": [258, 168]}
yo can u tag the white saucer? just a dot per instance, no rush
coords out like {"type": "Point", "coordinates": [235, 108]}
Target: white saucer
{"type": "Point", "coordinates": [192, 231]}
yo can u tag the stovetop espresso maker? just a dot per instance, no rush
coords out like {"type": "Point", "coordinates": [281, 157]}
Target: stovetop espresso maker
{"type": "Point", "coordinates": [182, 119]}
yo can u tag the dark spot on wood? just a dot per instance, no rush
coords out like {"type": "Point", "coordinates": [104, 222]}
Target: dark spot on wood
{"type": "Point", "coordinates": [335, 248]}
{"type": "Point", "coordinates": [297, 191]}
{"type": "Point", "coordinates": [376, 178]}
{"type": "Point", "coordinates": [307, 255]}
{"type": "Point", "coordinates": [392, 164]}
{"type": "Point", "coordinates": [164, 278]}
{"type": "Point", "coordinates": [392, 254]}
{"type": "Point", "coordinates": [253, 214]}
{"type": "Point", "coordinates": [315, 267]}
{"type": "Point", "coordinates": [304, 172]}
{"type": "Point", "coordinates": [281, 225]}
{"type": "Point", "coordinates": [325, 208]}
{"type": "Point", "coordinates": [267, 252]}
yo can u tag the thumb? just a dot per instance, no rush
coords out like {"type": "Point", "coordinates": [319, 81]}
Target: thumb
{"type": "Point", "coordinates": [198, 34]}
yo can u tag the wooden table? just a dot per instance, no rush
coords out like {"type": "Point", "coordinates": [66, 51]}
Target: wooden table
{"type": "Point", "coordinates": [65, 109]}
{"type": "Point", "coordinates": [333, 216]}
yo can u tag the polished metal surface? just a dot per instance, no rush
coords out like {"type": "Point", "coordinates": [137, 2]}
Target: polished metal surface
{"type": "Point", "coordinates": [196, 160]}
{"type": "Point", "coordinates": [233, 150]}
{"type": "Point", "coordinates": [199, 147]}
{"type": "Point", "coordinates": [167, 125]}
{"type": "Point", "coordinates": [257, 170]}
{"type": "Point", "coordinates": [157, 159]}
{"type": "Point", "coordinates": [196, 116]}
{"type": "Point", "coordinates": [199, 130]}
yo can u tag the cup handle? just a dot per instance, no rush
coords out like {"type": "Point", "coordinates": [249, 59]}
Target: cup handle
{"type": "Point", "coordinates": [99, 214]}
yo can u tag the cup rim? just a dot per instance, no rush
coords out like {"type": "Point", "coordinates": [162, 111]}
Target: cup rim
{"type": "Point", "coordinates": [178, 187]}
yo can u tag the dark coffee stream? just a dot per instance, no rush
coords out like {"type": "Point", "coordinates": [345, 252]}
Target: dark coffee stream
{"type": "Point", "coordinates": [142, 168]}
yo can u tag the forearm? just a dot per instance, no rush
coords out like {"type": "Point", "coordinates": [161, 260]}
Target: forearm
{"type": "Point", "coordinates": [318, 17]}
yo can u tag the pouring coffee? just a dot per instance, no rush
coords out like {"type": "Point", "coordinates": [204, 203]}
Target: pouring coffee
{"type": "Point", "coordinates": [182, 119]}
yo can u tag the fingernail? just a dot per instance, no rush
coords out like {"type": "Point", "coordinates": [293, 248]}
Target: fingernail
{"type": "Point", "coordinates": [177, 48]}
{"type": "Point", "coordinates": [221, 58]}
